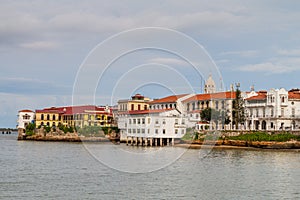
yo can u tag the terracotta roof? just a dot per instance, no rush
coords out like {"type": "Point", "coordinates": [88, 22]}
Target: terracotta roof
{"type": "Point", "coordinates": [259, 96]}
{"type": "Point", "coordinates": [294, 95]}
{"type": "Point", "coordinates": [70, 110]}
{"type": "Point", "coordinates": [168, 99]}
{"type": "Point", "coordinates": [141, 112]}
{"type": "Point", "coordinates": [218, 95]}
{"type": "Point", "coordinates": [26, 111]}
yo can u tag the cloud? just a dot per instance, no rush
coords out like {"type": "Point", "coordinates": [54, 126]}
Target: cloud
{"type": "Point", "coordinates": [20, 85]}
{"type": "Point", "coordinates": [168, 61]}
{"type": "Point", "coordinates": [291, 52]}
{"type": "Point", "coordinates": [272, 68]}
{"type": "Point", "coordinates": [246, 53]}
{"type": "Point", "coordinates": [40, 45]}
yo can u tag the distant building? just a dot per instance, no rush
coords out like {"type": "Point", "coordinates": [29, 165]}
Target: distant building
{"type": "Point", "coordinates": [210, 85]}
{"type": "Point", "coordinates": [25, 117]}
{"type": "Point", "coordinates": [78, 116]}
{"type": "Point", "coordinates": [276, 109]}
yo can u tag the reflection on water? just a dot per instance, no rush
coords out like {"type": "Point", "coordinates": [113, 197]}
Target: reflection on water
{"type": "Point", "coordinates": [57, 170]}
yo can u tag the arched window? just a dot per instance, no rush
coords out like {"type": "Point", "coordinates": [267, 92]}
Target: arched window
{"type": "Point", "coordinates": [53, 117]}
{"type": "Point", "coordinates": [42, 117]}
{"type": "Point", "coordinates": [48, 117]}
{"type": "Point", "coordinates": [282, 99]}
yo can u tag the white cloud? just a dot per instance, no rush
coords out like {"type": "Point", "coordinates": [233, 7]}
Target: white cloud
{"type": "Point", "coordinates": [168, 61]}
{"type": "Point", "coordinates": [272, 68]}
{"type": "Point", "coordinates": [246, 53]}
{"type": "Point", "coordinates": [290, 52]}
{"type": "Point", "coordinates": [40, 45]}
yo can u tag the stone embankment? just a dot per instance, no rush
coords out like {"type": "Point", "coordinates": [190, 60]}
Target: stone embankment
{"type": "Point", "coordinates": [254, 144]}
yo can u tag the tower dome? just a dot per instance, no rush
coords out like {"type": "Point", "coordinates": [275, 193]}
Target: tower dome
{"type": "Point", "coordinates": [210, 86]}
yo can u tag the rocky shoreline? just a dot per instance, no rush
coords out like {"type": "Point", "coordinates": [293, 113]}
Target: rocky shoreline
{"type": "Point", "coordinates": [242, 143]}
{"type": "Point", "coordinates": [189, 144]}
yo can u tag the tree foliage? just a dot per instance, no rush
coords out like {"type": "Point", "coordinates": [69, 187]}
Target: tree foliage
{"type": "Point", "coordinates": [238, 112]}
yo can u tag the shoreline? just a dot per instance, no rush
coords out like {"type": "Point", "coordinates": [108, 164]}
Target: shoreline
{"type": "Point", "coordinates": [218, 144]}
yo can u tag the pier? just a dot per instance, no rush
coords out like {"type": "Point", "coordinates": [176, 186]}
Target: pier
{"type": "Point", "coordinates": [145, 141]}
{"type": "Point", "coordinates": [7, 130]}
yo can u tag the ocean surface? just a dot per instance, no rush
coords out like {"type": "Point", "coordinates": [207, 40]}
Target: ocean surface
{"type": "Point", "coordinates": [61, 170]}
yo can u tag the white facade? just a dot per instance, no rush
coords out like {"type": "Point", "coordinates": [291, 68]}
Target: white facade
{"type": "Point", "coordinates": [152, 124]}
{"type": "Point", "coordinates": [276, 109]}
{"type": "Point", "coordinates": [25, 117]}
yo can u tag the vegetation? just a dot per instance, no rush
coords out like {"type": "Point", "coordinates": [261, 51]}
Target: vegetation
{"type": "Point", "coordinates": [47, 129]}
{"type": "Point", "coordinates": [66, 129]}
{"type": "Point", "coordinates": [263, 136]}
{"type": "Point", "coordinates": [96, 131]}
{"type": "Point", "coordinates": [238, 112]}
{"type": "Point", "coordinates": [29, 130]}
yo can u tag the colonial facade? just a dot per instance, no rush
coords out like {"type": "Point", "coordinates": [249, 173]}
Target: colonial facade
{"type": "Point", "coordinates": [276, 109]}
{"type": "Point", "coordinates": [220, 101]}
{"type": "Point", "coordinates": [25, 117]}
{"type": "Point", "coordinates": [78, 116]}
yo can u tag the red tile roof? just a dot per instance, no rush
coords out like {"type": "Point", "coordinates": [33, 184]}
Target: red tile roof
{"type": "Point", "coordinates": [70, 110]}
{"type": "Point", "coordinates": [259, 96]}
{"type": "Point", "coordinates": [25, 110]}
{"type": "Point", "coordinates": [141, 112]}
{"type": "Point", "coordinates": [218, 95]}
{"type": "Point", "coordinates": [294, 95]}
{"type": "Point", "coordinates": [169, 99]}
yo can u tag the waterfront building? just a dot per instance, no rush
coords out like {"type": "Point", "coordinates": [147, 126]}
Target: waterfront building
{"type": "Point", "coordinates": [160, 120]}
{"type": "Point", "coordinates": [276, 109]}
{"type": "Point", "coordinates": [220, 101]}
{"type": "Point", "coordinates": [25, 117]}
{"type": "Point", "coordinates": [75, 116]}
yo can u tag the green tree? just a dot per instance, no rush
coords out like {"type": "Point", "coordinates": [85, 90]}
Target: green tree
{"type": "Point", "coordinates": [238, 112]}
{"type": "Point", "coordinates": [210, 114]}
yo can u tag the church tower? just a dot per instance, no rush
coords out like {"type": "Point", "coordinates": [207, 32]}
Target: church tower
{"type": "Point", "coordinates": [210, 86]}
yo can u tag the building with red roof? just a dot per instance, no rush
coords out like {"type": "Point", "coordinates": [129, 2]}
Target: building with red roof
{"type": "Point", "coordinates": [75, 116]}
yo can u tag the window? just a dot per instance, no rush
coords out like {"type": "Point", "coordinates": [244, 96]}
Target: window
{"type": "Point", "coordinates": [129, 121]}
{"type": "Point", "coordinates": [282, 99]}
{"type": "Point", "coordinates": [145, 107]}
{"type": "Point", "coordinates": [138, 130]}
{"type": "Point", "coordinates": [53, 117]}
{"type": "Point", "coordinates": [182, 131]}
{"type": "Point", "coordinates": [139, 107]}
{"type": "Point", "coordinates": [132, 106]}
{"type": "Point", "coordinates": [217, 105]}
{"type": "Point", "coordinates": [48, 117]}
{"type": "Point", "coordinates": [139, 121]}
{"type": "Point", "coordinates": [134, 121]}
{"type": "Point", "coordinates": [129, 130]}
{"type": "Point", "coordinates": [156, 121]}
{"type": "Point", "coordinates": [143, 120]}
{"type": "Point", "coordinates": [183, 121]}
{"type": "Point", "coordinates": [272, 112]}
{"type": "Point", "coordinates": [143, 131]}
{"type": "Point", "coordinates": [133, 130]}
{"type": "Point", "coordinates": [42, 117]}
{"type": "Point", "coordinates": [257, 112]}
{"type": "Point", "coordinates": [282, 112]}
{"type": "Point", "coordinates": [164, 121]}
{"type": "Point", "coordinates": [156, 131]}
{"type": "Point", "coordinates": [176, 131]}
{"type": "Point", "coordinates": [188, 107]}
{"type": "Point", "coordinates": [149, 120]}
{"type": "Point", "coordinates": [164, 131]}
{"type": "Point", "coordinates": [148, 131]}
{"type": "Point", "coordinates": [176, 121]}
{"type": "Point", "coordinates": [293, 112]}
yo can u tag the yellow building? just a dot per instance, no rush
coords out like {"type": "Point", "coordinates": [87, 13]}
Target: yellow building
{"type": "Point", "coordinates": [75, 116]}
{"type": "Point", "coordinates": [137, 102]}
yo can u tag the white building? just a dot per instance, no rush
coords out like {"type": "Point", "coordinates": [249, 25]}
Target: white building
{"type": "Point", "coordinates": [160, 124]}
{"type": "Point", "coordinates": [25, 117]}
{"type": "Point", "coordinates": [276, 109]}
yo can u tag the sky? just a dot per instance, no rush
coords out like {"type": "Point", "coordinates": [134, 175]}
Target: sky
{"type": "Point", "coordinates": [45, 47]}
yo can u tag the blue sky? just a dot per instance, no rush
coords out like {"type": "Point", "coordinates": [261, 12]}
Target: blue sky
{"type": "Point", "coordinates": [43, 44]}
